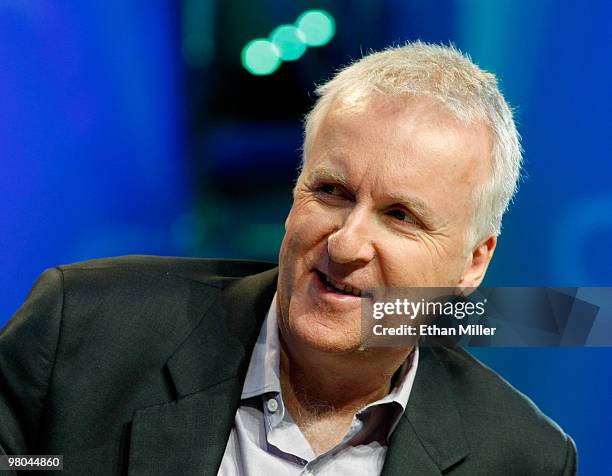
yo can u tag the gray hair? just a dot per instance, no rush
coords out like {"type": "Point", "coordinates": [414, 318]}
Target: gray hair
{"type": "Point", "coordinates": [468, 92]}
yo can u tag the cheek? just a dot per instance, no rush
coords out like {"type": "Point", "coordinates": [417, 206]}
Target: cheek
{"type": "Point", "coordinates": [309, 222]}
{"type": "Point", "coordinates": [417, 262]}
{"type": "Point", "coordinates": [305, 230]}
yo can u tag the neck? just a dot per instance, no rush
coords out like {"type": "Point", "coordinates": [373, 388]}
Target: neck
{"type": "Point", "coordinates": [343, 382]}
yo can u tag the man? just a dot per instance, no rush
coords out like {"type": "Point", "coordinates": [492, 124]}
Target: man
{"type": "Point", "coordinates": [172, 366]}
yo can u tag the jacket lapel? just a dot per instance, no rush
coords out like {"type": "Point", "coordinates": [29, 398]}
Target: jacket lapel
{"type": "Point", "coordinates": [188, 435]}
{"type": "Point", "coordinates": [429, 438]}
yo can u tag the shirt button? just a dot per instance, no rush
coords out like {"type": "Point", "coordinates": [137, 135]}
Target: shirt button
{"type": "Point", "coordinates": [272, 405]}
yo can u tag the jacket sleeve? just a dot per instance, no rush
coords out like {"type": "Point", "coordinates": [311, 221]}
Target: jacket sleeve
{"type": "Point", "coordinates": [28, 345]}
{"type": "Point", "coordinates": [570, 458]}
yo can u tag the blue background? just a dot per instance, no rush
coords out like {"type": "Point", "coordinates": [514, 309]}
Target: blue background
{"type": "Point", "coordinates": [131, 127]}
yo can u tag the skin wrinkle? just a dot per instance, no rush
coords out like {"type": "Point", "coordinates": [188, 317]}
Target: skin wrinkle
{"type": "Point", "coordinates": [326, 174]}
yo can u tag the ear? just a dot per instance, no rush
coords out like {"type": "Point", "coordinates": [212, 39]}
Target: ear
{"type": "Point", "coordinates": [477, 263]}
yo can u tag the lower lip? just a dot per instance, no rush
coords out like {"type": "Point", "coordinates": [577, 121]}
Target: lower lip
{"type": "Point", "coordinates": [331, 296]}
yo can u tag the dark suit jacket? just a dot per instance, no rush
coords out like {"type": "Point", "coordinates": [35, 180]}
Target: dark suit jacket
{"type": "Point", "coordinates": [135, 366]}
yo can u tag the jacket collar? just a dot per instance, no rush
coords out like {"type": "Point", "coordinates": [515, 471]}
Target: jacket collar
{"type": "Point", "coordinates": [430, 437]}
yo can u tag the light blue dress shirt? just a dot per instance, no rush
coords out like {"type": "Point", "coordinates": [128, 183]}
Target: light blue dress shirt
{"type": "Point", "coordinates": [266, 441]}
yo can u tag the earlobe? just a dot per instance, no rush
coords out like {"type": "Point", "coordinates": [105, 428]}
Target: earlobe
{"type": "Point", "coordinates": [478, 262]}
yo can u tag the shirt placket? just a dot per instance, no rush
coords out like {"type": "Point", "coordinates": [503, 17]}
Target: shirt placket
{"type": "Point", "coordinates": [283, 434]}
{"type": "Point", "coordinates": [317, 465]}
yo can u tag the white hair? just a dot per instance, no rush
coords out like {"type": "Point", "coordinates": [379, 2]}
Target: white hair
{"type": "Point", "coordinates": [468, 92]}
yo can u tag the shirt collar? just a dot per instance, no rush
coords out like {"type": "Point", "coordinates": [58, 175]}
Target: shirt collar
{"type": "Point", "coordinates": [263, 374]}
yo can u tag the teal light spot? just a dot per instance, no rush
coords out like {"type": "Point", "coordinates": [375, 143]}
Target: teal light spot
{"type": "Point", "coordinates": [260, 57]}
{"type": "Point", "coordinates": [318, 27]}
{"type": "Point", "coordinates": [290, 42]}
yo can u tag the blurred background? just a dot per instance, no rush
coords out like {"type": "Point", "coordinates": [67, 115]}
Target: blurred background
{"type": "Point", "coordinates": [150, 127]}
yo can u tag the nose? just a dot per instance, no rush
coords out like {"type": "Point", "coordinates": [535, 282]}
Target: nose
{"type": "Point", "coordinates": [352, 243]}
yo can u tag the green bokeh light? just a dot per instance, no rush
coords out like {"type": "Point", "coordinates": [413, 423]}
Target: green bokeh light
{"type": "Point", "coordinates": [260, 57]}
{"type": "Point", "coordinates": [318, 27]}
{"type": "Point", "coordinates": [290, 42]}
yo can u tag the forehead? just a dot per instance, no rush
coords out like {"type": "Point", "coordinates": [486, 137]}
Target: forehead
{"type": "Point", "coordinates": [402, 133]}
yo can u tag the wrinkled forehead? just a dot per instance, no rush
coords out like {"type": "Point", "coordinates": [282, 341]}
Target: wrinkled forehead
{"type": "Point", "coordinates": [361, 100]}
{"type": "Point", "coordinates": [374, 102]}
{"type": "Point", "coordinates": [409, 121]}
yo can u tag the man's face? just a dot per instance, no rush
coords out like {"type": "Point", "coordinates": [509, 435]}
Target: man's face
{"type": "Point", "coordinates": [384, 200]}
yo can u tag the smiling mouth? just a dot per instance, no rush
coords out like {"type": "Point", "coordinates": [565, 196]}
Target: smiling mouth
{"type": "Point", "coordinates": [337, 287]}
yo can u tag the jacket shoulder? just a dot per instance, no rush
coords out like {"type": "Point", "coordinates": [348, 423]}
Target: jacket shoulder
{"type": "Point", "coordinates": [208, 271]}
{"type": "Point", "coordinates": [157, 300]}
{"type": "Point", "coordinates": [504, 422]}
{"type": "Point", "coordinates": [117, 322]}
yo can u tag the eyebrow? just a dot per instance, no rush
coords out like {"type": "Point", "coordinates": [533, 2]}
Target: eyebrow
{"type": "Point", "coordinates": [417, 206]}
{"type": "Point", "coordinates": [423, 212]}
{"type": "Point", "coordinates": [321, 174]}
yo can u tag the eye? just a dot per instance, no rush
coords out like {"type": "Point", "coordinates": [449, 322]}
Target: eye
{"type": "Point", "coordinates": [402, 215]}
{"type": "Point", "coordinates": [331, 189]}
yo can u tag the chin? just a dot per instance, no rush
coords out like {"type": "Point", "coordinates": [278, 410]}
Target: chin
{"type": "Point", "coordinates": [325, 335]}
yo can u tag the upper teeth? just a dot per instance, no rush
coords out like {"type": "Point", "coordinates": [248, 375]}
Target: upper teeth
{"type": "Point", "coordinates": [346, 288]}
